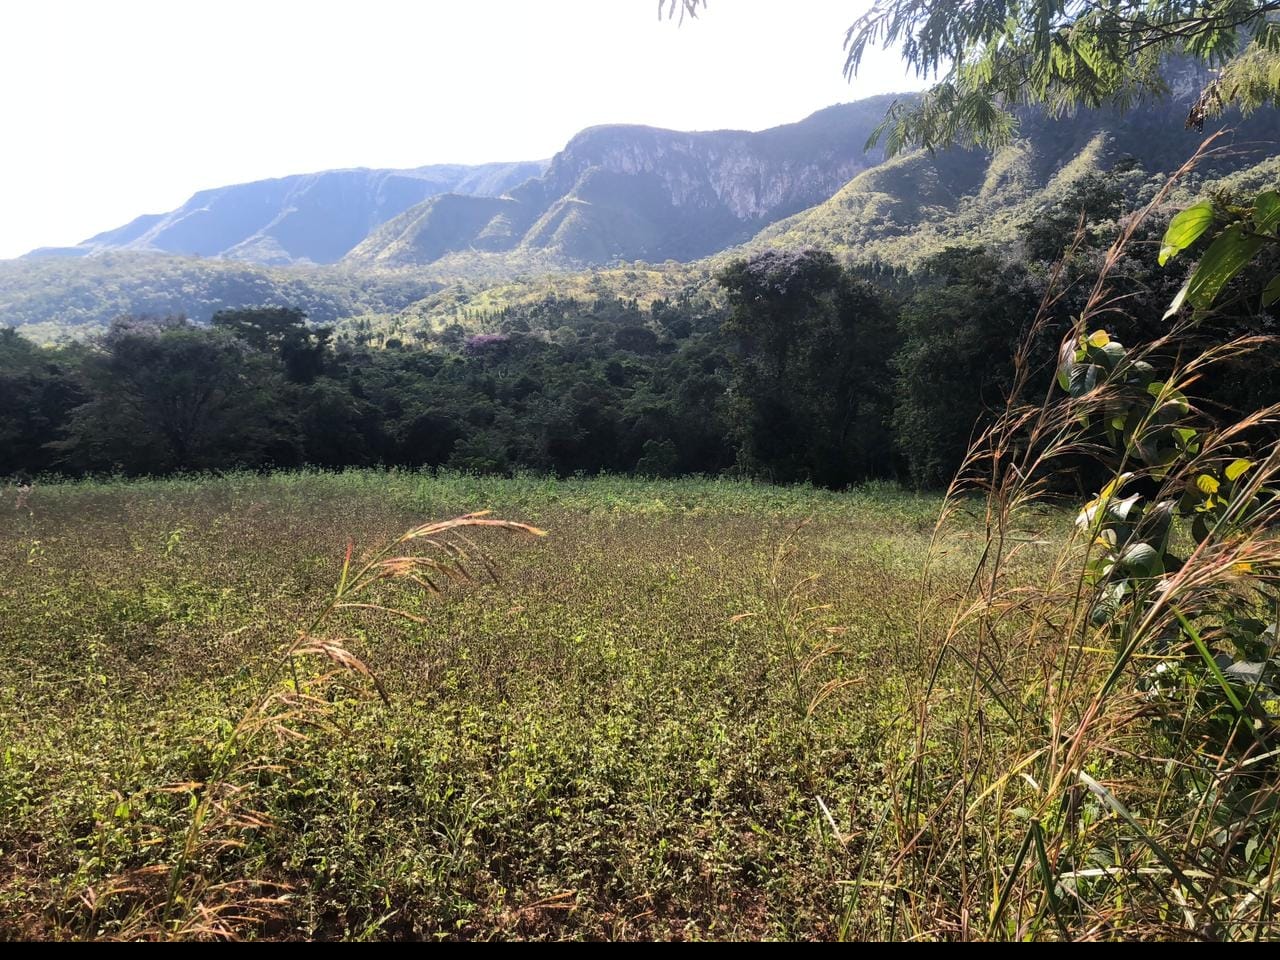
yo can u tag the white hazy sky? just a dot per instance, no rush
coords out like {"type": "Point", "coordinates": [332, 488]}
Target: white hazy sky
{"type": "Point", "coordinates": [113, 109]}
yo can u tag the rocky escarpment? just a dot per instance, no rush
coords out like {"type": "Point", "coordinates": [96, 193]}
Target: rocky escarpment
{"type": "Point", "coordinates": [631, 192]}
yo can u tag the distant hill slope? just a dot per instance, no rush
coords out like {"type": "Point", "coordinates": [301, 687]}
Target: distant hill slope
{"type": "Point", "coordinates": [307, 218]}
{"type": "Point", "coordinates": [641, 193]}
{"type": "Point", "coordinates": [913, 205]}
{"type": "Point", "coordinates": [55, 297]}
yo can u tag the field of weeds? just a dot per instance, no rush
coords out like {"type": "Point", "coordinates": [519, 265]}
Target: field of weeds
{"type": "Point", "coordinates": [669, 718]}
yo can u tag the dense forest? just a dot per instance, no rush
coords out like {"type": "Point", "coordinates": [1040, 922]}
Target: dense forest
{"type": "Point", "coordinates": [813, 370]}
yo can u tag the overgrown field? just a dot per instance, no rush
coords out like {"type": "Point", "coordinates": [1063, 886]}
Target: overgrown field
{"type": "Point", "coordinates": [655, 725]}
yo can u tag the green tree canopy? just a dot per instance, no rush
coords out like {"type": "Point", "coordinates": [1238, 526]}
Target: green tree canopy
{"type": "Point", "coordinates": [987, 58]}
{"type": "Point", "coordinates": [991, 56]}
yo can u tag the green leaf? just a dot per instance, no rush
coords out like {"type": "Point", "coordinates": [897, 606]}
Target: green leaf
{"type": "Point", "coordinates": [1207, 484]}
{"type": "Point", "coordinates": [1083, 377]}
{"type": "Point", "coordinates": [997, 911]}
{"type": "Point", "coordinates": [1200, 528]}
{"type": "Point", "coordinates": [1143, 371]}
{"type": "Point", "coordinates": [1114, 485]}
{"type": "Point", "coordinates": [1142, 559]}
{"type": "Point", "coordinates": [1185, 229]}
{"type": "Point", "coordinates": [1113, 353]}
{"type": "Point", "coordinates": [1226, 256]}
{"type": "Point", "coordinates": [1272, 291]}
{"type": "Point", "coordinates": [1266, 211]}
{"type": "Point", "coordinates": [1107, 797]}
{"type": "Point", "coordinates": [1237, 469]}
{"type": "Point", "coordinates": [1120, 509]}
{"type": "Point", "coordinates": [1049, 879]}
{"type": "Point", "coordinates": [1170, 403]}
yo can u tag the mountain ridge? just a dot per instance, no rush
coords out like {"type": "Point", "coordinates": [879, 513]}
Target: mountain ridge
{"type": "Point", "coordinates": [300, 218]}
{"type": "Point", "coordinates": [637, 210]}
{"type": "Point", "coordinates": [627, 192]}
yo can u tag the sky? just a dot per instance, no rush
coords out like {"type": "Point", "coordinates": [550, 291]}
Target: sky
{"type": "Point", "coordinates": [109, 110]}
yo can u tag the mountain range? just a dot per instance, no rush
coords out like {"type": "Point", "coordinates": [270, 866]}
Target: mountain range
{"type": "Point", "coordinates": [614, 192]}
{"type": "Point", "coordinates": [619, 202]}
{"type": "Point", "coordinates": [306, 218]}
{"type": "Point", "coordinates": [641, 193]}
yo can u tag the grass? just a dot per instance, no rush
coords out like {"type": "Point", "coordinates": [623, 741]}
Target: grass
{"type": "Point", "coordinates": [1108, 771]}
{"type": "Point", "coordinates": [674, 717]}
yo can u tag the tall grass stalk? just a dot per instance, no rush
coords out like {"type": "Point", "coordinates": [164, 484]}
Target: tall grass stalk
{"type": "Point", "coordinates": [1079, 765]}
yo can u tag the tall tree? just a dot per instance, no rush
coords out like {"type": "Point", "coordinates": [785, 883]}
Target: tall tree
{"type": "Point", "coordinates": [38, 390]}
{"type": "Point", "coordinates": [810, 347]}
{"type": "Point", "coordinates": [168, 395]}
{"type": "Point", "coordinates": [282, 331]}
{"type": "Point", "coordinates": [955, 366]}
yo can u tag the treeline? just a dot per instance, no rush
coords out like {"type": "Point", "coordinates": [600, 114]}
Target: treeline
{"type": "Point", "coordinates": [812, 372]}
{"type": "Point", "coordinates": [56, 296]}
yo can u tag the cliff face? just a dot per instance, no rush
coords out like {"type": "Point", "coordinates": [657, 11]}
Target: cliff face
{"type": "Point", "coordinates": [749, 176]}
{"type": "Point", "coordinates": [308, 218]}
{"type": "Point", "coordinates": [629, 192]}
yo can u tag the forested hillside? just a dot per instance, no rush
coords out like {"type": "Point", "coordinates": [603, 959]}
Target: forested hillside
{"type": "Point", "coordinates": [56, 297]}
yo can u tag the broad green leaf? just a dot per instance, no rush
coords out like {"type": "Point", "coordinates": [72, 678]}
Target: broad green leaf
{"type": "Point", "coordinates": [1088, 514]}
{"type": "Point", "coordinates": [1225, 257]}
{"type": "Point", "coordinates": [1142, 559]}
{"type": "Point", "coordinates": [1185, 229]}
{"type": "Point", "coordinates": [1170, 401]}
{"type": "Point", "coordinates": [1272, 291]}
{"type": "Point", "coordinates": [1200, 527]}
{"type": "Point", "coordinates": [1120, 509]}
{"type": "Point", "coordinates": [1206, 484]}
{"type": "Point", "coordinates": [1113, 352]}
{"type": "Point", "coordinates": [1114, 485]}
{"type": "Point", "coordinates": [1237, 469]}
{"type": "Point", "coordinates": [1157, 523]}
{"type": "Point", "coordinates": [1083, 377]}
{"type": "Point", "coordinates": [1210, 662]}
{"type": "Point", "coordinates": [1106, 796]}
{"type": "Point", "coordinates": [1098, 338]}
{"type": "Point", "coordinates": [1143, 371]}
{"type": "Point", "coordinates": [1266, 211]}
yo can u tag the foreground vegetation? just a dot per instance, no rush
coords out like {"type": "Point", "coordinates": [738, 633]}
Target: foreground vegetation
{"type": "Point", "coordinates": [656, 726]}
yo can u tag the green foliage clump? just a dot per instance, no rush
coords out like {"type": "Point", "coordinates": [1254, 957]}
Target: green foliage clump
{"type": "Point", "coordinates": [811, 389]}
